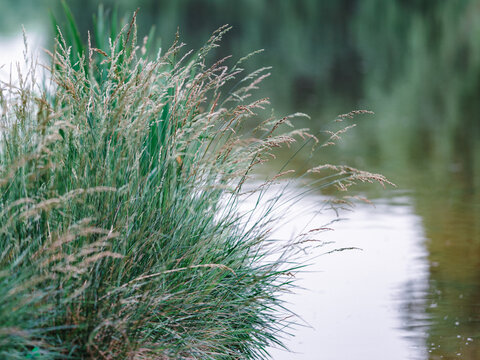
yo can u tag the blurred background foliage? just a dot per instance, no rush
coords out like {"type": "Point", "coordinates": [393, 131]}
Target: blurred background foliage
{"type": "Point", "coordinates": [415, 63]}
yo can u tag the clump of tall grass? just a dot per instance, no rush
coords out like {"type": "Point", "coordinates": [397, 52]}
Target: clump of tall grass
{"type": "Point", "coordinates": [120, 235]}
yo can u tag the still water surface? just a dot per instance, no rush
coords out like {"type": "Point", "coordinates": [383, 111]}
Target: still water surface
{"type": "Point", "coordinates": [383, 300]}
{"type": "Point", "coordinates": [352, 302]}
{"type": "Point", "coordinates": [410, 291]}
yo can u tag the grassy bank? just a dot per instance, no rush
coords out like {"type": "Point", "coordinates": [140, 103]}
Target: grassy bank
{"type": "Point", "coordinates": [120, 235]}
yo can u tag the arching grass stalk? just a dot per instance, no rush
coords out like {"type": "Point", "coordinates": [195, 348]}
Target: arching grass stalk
{"type": "Point", "coordinates": [120, 235]}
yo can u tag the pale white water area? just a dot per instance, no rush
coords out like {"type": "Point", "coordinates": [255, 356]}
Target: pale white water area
{"type": "Point", "coordinates": [353, 302]}
{"type": "Point", "coordinates": [12, 53]}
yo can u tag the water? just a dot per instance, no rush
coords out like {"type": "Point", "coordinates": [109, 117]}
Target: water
{"type": "Point", "coordinates": [393, 297]}
{"type": "Point", "coordinates": [351, 303]}
{"type": "Point", "coordinates": [12, 54]}
{"type": "Point", "coordinates": [353, 300]}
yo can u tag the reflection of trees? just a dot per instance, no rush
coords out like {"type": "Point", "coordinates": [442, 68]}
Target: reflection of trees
{"type": "Point", "coordinates": [425, 90]}
{"type": "Point", "coordinates": [308, 42]}
{"type": "Point", "coordinates": [452, 224]}
{"type": "Point", "coordinates": [424, 85]}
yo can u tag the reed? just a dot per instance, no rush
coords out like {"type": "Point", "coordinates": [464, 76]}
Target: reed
{"type": "Point", "coordinates": [120, 232]}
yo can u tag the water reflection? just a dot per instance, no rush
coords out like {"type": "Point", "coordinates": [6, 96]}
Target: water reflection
{"type": "Point", "coordinates": [12, 54]}
{"type": "Point", "coordinates": [413, 292]}
{"type": "Point", "coordinates": [452, 223]}
{"type": "Point", "coordinates": [362, 304]}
